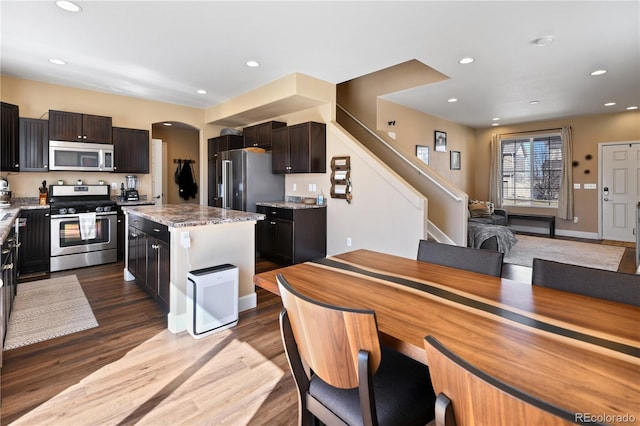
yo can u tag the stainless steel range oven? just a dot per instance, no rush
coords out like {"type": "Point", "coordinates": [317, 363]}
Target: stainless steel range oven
{"type": "Point", "coordinates": [83, 226]}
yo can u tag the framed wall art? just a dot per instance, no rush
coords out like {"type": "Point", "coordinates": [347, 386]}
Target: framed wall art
{"type": "Point", "coordinates": [440, 141]}
{"type": "Point", "coordinates": [422, 152]}
{"type": "Point", "coordinates": [455, 160]}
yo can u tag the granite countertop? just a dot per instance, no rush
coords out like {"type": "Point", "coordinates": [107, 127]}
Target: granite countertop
{"type": "Point", "coordinates": [185, 215]}
{"type": "Point", "coordinates": [8, 214]}
{"type": "Point", "coordinates": [289, 205]}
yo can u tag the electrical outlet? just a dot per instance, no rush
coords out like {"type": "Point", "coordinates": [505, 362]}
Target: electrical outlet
{"type": "Point", "coordinates": [575, 219]}
{"type": "Point", "coordinates": [348, 241]}
{"type": "Point", "coordinates": [185, 239]}
{"type": "Point", "coordinates": [295, 187]}
{"type": "Point", "coordinates": [114, 185]}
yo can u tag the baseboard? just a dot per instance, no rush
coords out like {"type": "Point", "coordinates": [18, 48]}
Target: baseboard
{"type": "Point", "coordinates": [560, 232]}
{"type": "Point", "coordinates": [247, 302]}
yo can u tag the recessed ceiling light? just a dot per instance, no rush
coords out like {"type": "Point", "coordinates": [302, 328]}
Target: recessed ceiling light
{"type": "Point", "coordinates": [69, 6]}
{"type": "Point", "coordinates": [202, 92]}
{"type": "Point", "coordinates": [496, 118]}
{"type": "Point", "coordinates": [253, 64]}
{"type": "Point", "coordinates": [598, 72]}
{"type": "Point", "coordinates": [465, 61]}
{"type": "Point", "coordinates": [495, 124]}
{"type": "Point", "coordinates": [632, 107]}
{"type": "Point", "coordinates": [57, 61]}
{"type": "Point", "coordinates": [167, 124]}
{"type": "Point", "coordinates": [534, 102]}
{"type": "Point", "coordinates": [542, 41]}
{"type": "Point", "coordinates": [452, 100]}
{"type": "Point", "coordinates": [610, 104]}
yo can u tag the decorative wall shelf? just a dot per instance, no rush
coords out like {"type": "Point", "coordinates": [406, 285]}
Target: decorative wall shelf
{"type": "Point", "coordinates": [341, 178]}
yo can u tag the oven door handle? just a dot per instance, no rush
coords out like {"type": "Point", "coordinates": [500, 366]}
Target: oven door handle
{"type": "Point", "coordinates": [75, 215]}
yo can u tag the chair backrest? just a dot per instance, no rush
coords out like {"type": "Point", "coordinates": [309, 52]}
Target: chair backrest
{"type": "Point", "coordinates": [329, 338]}
{"type": "Point", "coordinates": [600, 283]}
{"type": "Point", "coordinates": [475, 260]}
{"type": "Point", "coordinates": [478, 398]}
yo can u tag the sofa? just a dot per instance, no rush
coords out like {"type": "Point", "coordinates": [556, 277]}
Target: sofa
{"type": "Point", "coordinates": [487, 227]}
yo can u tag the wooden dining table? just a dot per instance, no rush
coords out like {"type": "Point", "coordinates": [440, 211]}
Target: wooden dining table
{"type": "Point", "coordinates": [579, 353]}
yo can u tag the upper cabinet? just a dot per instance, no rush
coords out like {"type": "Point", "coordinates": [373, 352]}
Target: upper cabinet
{"type": "Point", "coordinates": [261, 135]}
{"type": "Point", "coordinates": [301, 148]}
{"type": "Point", "coordinates": [34, 145]}
{"type": "Point", "coordinates": [9, 138]}
{"type": "Point", "coordinates": [76, 127]}
{"type": "Point", "coordinates": [130, 150]}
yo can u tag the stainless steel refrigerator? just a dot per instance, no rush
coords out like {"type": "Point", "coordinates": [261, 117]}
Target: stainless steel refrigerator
{"type": "Point", "coordinates": [244, 177]}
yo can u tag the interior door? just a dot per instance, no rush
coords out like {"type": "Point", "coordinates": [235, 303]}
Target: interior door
{"type": "Point", "coordinates": [620, 192]}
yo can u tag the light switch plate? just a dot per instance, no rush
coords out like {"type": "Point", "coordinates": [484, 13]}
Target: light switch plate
{"type": "Point", "coordinates": [576, 186]}
{"type": "Point", "coordinates": [590, 186]}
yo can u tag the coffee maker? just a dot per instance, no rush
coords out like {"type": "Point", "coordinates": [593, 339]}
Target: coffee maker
{"type": "Point", "coordinates": [131, 194]}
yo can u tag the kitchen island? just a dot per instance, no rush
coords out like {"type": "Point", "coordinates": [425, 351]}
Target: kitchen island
{"type": "Point", "coordinates": [196, 237]}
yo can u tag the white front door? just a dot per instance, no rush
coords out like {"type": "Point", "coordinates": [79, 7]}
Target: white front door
{"type": "Point", "coordinates": [158, 176]}
{"type": "Point", "coordinates": [620, 190]}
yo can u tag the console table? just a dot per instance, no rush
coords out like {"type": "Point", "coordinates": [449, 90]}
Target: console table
{"type": "Point", "coordinates": [550, 219]}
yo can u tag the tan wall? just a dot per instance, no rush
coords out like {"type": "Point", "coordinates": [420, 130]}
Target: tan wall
{"type": "Point", "coordinates": [35, 99]}
{"type": "Point", "coordinates": [587, 132]}
{"type": "Point", "coordinates": [416, 128]}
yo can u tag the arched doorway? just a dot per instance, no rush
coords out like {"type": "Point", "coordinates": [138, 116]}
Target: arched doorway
{"type": "Point", "coordinates": [179, 147]}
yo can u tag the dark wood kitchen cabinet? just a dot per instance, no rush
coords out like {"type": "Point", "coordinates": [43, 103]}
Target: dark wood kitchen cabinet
{"type": "Point", "coordinates": [77, 127]}
{"type": "Point", "coordinates": [261, 135]}
{"type": "Point", "coordinates": [215, 146]}
{"type": "Point", "coordinates": [149, 258]}
{"type": "Point", "coordinates": [130, 150]}
{"type": "Point", "coordinates": [34, 145]}
{"type": "Point", "coordinates": [9, 137]}
{"type": "Point", "coordinates": [290, 236]}
{"type": "Point", "coordinates": [301, 148]}
{"type": "Point", "coordinates": [35, 241]}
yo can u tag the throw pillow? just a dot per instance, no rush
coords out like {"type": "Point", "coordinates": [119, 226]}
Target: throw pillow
{"type": "Point", "coordinates": [479, 209]}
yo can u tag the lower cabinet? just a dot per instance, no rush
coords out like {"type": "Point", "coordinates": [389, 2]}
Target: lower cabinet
{"type": "Point", "coordinates": [149, 259]}
{"type": "Point", "coordinates": [8, 274]}
{"type": "Point", "coordinates": [35, 241]}
{"type": "Point", "coordinates": [290, 236]}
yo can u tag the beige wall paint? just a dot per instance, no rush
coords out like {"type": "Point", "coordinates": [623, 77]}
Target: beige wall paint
{"type": "Point", "coordinates": [35, 99]}
{"type": "Point", "coordinates": [416, 128]}
{"type": "Point", "coordinates": [587, 132]}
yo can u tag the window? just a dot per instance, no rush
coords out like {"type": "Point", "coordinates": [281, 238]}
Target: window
{"type": "Point", "coordinates": [531, 170]}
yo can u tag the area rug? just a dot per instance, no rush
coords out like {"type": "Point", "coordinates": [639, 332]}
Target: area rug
{"type": "Point", "coordinates": [573, 252]}
{"type": "Point", "coordinates": [46, 309]}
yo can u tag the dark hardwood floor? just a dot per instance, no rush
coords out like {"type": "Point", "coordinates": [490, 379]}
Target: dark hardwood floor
{"type": "Point", "coordinates": [127, 317]}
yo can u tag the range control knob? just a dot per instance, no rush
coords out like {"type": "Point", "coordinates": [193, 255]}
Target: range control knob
{"type": "Point", "coordinates": [99, 209]}
{"type": "Point", "coordinates": [71, 210]}
{"type": "Point", "coordinates": [62, 211]}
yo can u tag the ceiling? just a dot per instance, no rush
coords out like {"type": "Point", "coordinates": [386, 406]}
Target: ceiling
{"type": "Point", "coordinates": [167, 50]}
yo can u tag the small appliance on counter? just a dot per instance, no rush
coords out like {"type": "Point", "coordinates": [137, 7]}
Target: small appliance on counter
{"type": "Point", "coordinates": [5, 193]}
{"type": "Point", "coordinates": [131, 194]}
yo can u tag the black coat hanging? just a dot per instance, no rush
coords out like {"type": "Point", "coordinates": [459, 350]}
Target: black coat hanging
{"type": "Point", "coordinates": [188, 188]}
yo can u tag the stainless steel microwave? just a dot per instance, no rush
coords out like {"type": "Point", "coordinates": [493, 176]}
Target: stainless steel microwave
{"type": "Point", "coordinates": [88, 157]}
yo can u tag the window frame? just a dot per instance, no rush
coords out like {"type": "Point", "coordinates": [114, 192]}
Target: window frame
{"type": "Point", "coordinates": [552, 173]}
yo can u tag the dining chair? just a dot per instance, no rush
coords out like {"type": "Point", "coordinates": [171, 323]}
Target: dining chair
{"type": "Point", "coordinates": [599, 283]}
{"type": "Point", "coordinates": [337, 361]}
{"type": "Point", "coordinates": [469, 396]}
{"type": "Point", "coordinates": [486, 262]}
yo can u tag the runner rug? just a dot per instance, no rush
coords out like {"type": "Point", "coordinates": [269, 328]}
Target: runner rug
{"type": "Point", "coordinates": [576, 253]}
{"type": "Point", "coordinates": [46, 309]}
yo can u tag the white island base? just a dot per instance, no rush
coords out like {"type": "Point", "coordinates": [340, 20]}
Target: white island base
{"type": "Point", "coordinates": [209, 244]}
